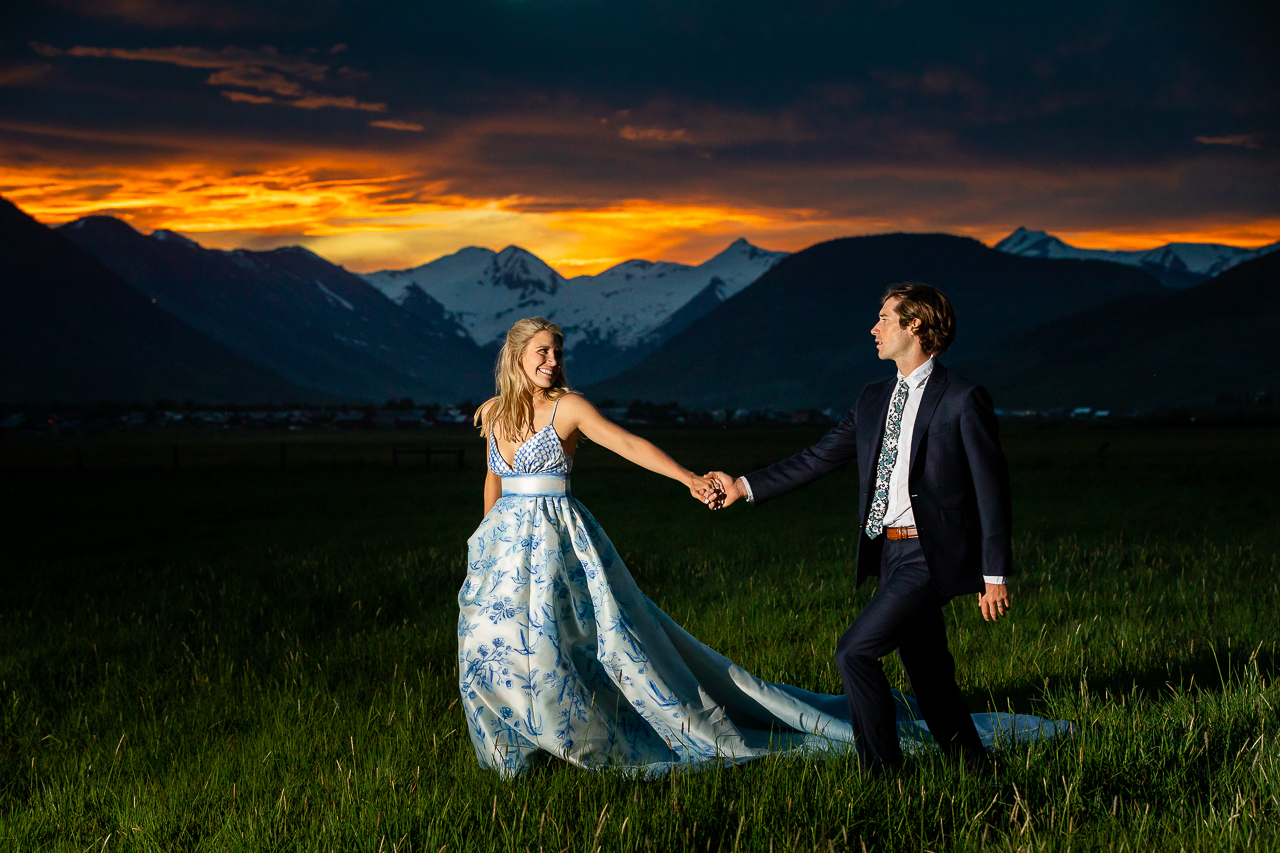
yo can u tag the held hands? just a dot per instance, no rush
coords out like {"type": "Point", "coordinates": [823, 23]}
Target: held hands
{"type": "Point", "coordinates": [994, 603]}
{"type": "Point", "coordinates": [727, 490]}
{"type": "Point", "coordinates": [706, 490]}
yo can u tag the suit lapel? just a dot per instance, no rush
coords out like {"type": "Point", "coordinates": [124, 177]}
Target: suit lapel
{"type": "Point", "coordinates": [933, 390]}
{"type": "Point", "coordinates": [869, 445]}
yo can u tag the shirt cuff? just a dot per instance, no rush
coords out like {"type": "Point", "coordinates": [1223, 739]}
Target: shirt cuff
{"type": "Point", "coordinates": [996, 579]}
{"type": "Point", "coordinates": [746, 487]}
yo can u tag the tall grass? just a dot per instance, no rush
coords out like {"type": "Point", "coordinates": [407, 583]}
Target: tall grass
{"type": "Point", "coordinates": [236, 657]}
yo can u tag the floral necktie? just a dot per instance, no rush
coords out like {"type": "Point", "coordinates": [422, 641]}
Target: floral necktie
{"type": "Point", "coordinates": [888, 456]}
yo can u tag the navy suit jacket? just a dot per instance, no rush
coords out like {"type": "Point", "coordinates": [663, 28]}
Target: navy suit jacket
{"type": "Point", "coordinates": [959, 480]}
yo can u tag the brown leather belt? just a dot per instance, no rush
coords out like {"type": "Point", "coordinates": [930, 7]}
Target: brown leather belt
{"type": "Point", "coordinates": [896, 533]}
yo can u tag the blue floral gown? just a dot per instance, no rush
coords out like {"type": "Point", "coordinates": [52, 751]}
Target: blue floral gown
{"type": "Point", "coordinates": [560, 653]}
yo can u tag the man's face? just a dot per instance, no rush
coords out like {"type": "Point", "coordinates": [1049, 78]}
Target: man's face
{"type": "Point", "coordinates": [892, 341]}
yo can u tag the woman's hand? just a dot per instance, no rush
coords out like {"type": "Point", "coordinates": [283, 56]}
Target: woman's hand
{"type": "Point", "coordinates": [706, 490]}
{"type": "Point", "coordinates": [727, 487]}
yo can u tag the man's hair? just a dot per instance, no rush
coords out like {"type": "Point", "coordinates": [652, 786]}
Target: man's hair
{"type": "Point", "coordinates": [931, 307]}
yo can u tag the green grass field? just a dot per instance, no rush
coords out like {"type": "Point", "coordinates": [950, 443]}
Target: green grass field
{"type": "Point", "coordinates": [233, 655]}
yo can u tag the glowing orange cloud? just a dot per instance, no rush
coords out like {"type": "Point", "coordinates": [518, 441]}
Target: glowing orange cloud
{"type": "Point", "coordinates": [359, 220]}
{"type": "Point", "coordinates": [203, 197]}
{"type": "Point", "coordinates": [377, 211]}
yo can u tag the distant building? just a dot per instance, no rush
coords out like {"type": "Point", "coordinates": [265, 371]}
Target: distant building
{"type": "Point", "coordinates": [451, 415]}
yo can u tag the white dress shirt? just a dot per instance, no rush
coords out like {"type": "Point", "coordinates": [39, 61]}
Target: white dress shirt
{"type": "Point", "coordinates": [899, 513]}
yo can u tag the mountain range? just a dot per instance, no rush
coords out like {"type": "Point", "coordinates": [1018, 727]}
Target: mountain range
{"type": "Point", "coordinates": [1142, 351]}
{"type": "Point", "coordinates": [72, 330]}
{"type": "Point", "coordinates": [611, 320]}
{"type": "Point", "coordinates": [96, 310]}
{"type": "Point", "coordinates": [1174, 264]}
{"type": "Point", "coordinates": [801, 336]}
{"type": "Point", "coordinates": [290, 310]}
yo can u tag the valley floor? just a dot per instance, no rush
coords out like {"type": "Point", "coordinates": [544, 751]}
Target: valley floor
{"type": "Point", "coordinates": [255, 650]}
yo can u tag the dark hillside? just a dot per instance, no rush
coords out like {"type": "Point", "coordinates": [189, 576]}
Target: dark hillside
{"type": "Point", "coordinates": [72, 330]}
{"type": "Point", "coordinates": [1190, 348]}
{"type": "Point", "coordinates": [293, 311]}
{"type": "Point", "coordinates": [800, 336]}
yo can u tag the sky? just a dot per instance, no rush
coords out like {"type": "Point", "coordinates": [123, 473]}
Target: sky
{"type": "Point", "coordinates": [384, 135]}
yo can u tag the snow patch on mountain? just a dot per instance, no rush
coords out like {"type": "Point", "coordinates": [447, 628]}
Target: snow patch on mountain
{"type": "Point", "coordinates": [167, 236]}
{"type": "Point", "coordinates": [624, 306]}
{"type": "Point", "coordinates": [1177, 264]}
{"type": "Point", "coordinates": [627, 304]}
{"type": "Point", "coordinates": [479, 288]}
{"type": "Point", "coordinates": [333, 297]}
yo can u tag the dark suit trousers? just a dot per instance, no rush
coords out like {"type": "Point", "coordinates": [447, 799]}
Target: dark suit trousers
{"type": "Point", "coordinates": [904, 614]}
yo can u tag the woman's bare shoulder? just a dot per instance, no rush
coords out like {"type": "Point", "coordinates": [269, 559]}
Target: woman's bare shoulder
{"type": "Point", "coordinates": [574, 403]}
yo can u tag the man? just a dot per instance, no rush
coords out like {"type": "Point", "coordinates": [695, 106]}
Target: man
{"type": "Point", "coordinates": [934, 517]}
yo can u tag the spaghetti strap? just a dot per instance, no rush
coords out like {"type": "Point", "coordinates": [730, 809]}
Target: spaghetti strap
{"type": "Point", "coordinates": [553, 413]}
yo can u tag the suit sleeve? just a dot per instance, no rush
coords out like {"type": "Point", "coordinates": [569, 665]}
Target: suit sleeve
{"type": "Point", "coordinates": [980, 432]}
{"type": "Point", "coordinates": [833, 450]}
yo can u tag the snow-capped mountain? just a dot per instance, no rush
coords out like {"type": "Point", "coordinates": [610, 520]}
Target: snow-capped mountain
{"type": "Point", "coordinates": [610, 319]}
{"type": "Point", "coordinates": [479, 288]}
{"type": "Point", "coordinates": [629, 303]}
{"type": "Point", "coordinates": [1176, 264]}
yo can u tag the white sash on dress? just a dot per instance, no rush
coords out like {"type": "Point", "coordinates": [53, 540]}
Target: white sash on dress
{"type": "Point", "coordinates": [536, 485]}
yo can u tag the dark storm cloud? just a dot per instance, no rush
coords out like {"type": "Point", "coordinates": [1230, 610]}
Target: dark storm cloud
{"type": "Point", "coordinates": [1018, 80]}
{"type": "Point", "coordinates": [1093, 113]}
{"type": "Point", "coordinates": [1080, 82]}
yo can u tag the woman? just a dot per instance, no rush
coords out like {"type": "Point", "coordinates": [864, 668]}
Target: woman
{"type": "Point", "coordinates": [559, 652]}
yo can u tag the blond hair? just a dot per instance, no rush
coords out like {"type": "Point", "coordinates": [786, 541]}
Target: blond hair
{"type": "Point", "coordinates": [512, 409]}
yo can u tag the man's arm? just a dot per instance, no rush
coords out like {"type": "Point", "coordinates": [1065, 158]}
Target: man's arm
{"type": "Point", "coordinates": [832, 451]}
{"type": "Point", "coordinates": [980, 435]}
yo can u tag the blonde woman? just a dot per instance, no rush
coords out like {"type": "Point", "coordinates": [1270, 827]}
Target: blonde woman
{"type": "Point", "coordinates": [559, 652]}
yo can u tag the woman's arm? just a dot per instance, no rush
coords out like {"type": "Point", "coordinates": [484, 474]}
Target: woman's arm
{"type": "Point", "coordinates": [580, 415]}
{"type": "Point", "coordinates": [492, 482]}
{"type": "Point", "coordinates": [492, 490]}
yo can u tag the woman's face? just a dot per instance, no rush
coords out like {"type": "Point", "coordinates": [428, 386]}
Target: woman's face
{"type": "Point", "coordinates": [541, 359]}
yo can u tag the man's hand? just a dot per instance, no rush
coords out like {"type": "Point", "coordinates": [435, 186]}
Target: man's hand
{"type": "Point", "coordinates": [705, 489]}
{"type": "Point", "coordinates": [994, 603]}
{"type": "Point", "coordinates": [729, 490]}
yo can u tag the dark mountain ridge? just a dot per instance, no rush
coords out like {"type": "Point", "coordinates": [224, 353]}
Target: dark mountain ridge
{"type": "Point", "coordinates": [74, 331]}
{"type": "Point", "coordinates": [1142, 351]}
{"type": "Point", "coordinates": [291, 310]}
{"type": "Point", "coordinates": [800, 335]}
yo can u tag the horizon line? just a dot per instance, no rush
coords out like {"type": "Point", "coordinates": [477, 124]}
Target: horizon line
{"type": "Point", "coordinates": [571, 267]}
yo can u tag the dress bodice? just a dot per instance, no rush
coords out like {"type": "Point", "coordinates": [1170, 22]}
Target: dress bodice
{"type": "Point", "coordinates": [541, 454]}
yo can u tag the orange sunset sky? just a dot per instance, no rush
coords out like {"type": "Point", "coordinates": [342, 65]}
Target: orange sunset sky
{"type": "Point", "coordinates": [367, 216]}
{"type": "Point", "coordinates": [589, 138]}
